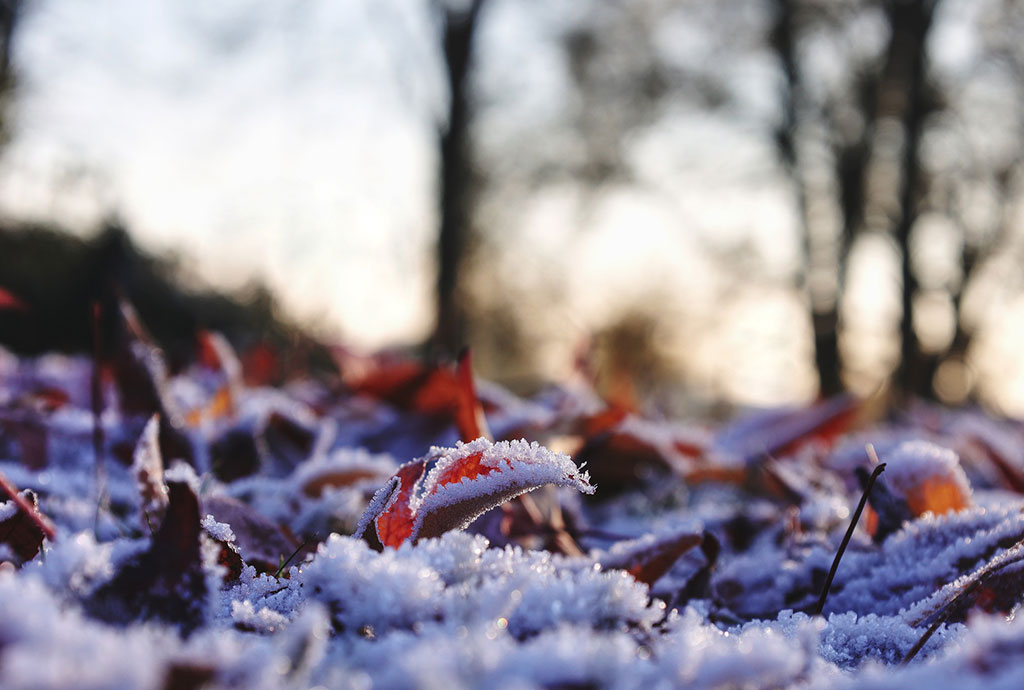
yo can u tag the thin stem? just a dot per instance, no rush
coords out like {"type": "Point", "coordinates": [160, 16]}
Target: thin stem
{"type": "Point", "coordinates": [849, 534]}
{"type": "Point", "coordinates": [289, 559]}
{"type": "Point", "coordinates": [37, 518]}
{"type": "Point", "coordinates": [97, 411]}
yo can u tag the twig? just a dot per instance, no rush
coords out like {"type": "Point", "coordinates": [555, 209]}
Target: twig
{"type": "Point", "coordinates": [849, 533]}
{"type": "Point", "coordinates": [37, 518]}
{"type": "Point", "coordinates": [97, 413]}
{"type": "Point", "coordinates": [1009, 557]}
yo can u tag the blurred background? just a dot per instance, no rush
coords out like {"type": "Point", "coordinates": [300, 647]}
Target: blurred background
{"type": "Point", "coordinates": [749, 201]}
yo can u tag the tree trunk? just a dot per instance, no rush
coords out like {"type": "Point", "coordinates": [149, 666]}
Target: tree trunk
{"type": "Point", "coordinates": [910, 23]}
{"type": "Point", "coordinates": [824, 313]}
{"type": "Point", "coordinates": [459, 28]}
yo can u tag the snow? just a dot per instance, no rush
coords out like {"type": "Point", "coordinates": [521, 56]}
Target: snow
{"type": "Point", "coordinates": [7, 510]}
{"type": "Point", "coordinates": [504, 609]}
{"type": "Point", "coordinates": [218, 530]}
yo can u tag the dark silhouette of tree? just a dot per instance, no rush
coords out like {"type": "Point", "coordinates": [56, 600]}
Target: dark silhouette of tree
{"type": "Point", "coordinates": [458, 28]}
{"type": "Point", "coordinates": [910, 23]}
{"type": "Point", "coordinates": [890, 87]}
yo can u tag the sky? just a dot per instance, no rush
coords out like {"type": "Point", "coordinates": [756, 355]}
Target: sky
{"type": "Point", "coordinates": [276, 145]}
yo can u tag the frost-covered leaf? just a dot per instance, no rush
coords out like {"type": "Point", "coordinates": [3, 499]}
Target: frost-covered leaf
{"type": "Point", "coordinates": [228, 555]}
{"type": "Point", "coordinates": [148, 469]}
{"type": "Point", "coordinates": [928, 477]}
{"type": "Point", "coordinates": [260, 541]}
{"type": "Point", "coordinates": [463, 482]}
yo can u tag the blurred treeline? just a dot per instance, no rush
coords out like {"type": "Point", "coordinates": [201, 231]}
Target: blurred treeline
{"type": "Point", "coordinates": [896, 125]}
{"type": "Point", "coordinates": [60, 277]}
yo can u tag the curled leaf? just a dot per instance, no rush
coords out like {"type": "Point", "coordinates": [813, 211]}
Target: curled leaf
{"type": "Point", "coordinates": [462, 483]}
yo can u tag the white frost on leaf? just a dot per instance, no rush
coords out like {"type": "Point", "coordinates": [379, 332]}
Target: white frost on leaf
{"type": "Point", "coordinates": [517, 467]}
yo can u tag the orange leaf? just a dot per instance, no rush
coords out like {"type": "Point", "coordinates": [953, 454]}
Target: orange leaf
{"type": "Point", "coordinates": [938, 495]}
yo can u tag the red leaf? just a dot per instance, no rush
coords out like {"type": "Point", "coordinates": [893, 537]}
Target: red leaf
{"type": "Point", "coordinates": [208, 350]}
{"type": "Point", "coordinates": [781, 432]}
{"type": "Point", "coordinates": [260, 366]}
{"type": "Point", "coordinates": [47, 398]}
{"type": "Point", "coordinates": [468, 468]}
{"type": "Point", "coordinates": [464, 482]}
{"type": "Point", "coordinates": [431, 390]}
{"type": "Point", "coordinates": [394, 520]}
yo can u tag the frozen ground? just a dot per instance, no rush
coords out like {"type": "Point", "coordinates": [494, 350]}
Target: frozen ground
{"type": "Point", "coordinates": [215, 547]}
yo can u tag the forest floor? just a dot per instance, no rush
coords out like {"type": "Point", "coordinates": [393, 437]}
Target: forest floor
{"type": "Point", "coordinates": [207, 529]}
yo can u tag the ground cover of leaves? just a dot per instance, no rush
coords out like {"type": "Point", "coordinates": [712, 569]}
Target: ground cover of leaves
{"type": "Point", "coordinates": [403, 525]}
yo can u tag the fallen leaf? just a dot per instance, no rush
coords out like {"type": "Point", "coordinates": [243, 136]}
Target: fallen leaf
{"type": "Point", "coordinates": [462, 483]}
{"type": "Point", "coordinates": [260, 542]}
{"type": "Point", "coordinates": [167, 581]}
{"type": "Point", "coordinates": [647, 560]}
{"type": "Point", "coordinates": [148, 469]}
{"type": "Point", "coordinates": [782, 432]}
